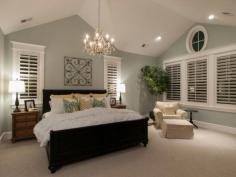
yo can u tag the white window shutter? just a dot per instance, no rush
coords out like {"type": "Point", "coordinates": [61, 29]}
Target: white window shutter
{"type": "Point", "coordinates": [174, 74]}
{"type": "Point", "coordinates": [112, 73]}
{"type": "Point", "coordinates": [197, 80]}
{"type": "Point", "coordinates": [226, 79]}
{"type": "Point", "coordinates": [29, 69]}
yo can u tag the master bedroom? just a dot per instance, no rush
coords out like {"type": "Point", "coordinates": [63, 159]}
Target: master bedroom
{"type": "Point", "coordinates": [134, 88]}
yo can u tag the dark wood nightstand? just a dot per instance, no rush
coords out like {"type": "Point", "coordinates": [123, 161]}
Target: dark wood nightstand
{"type": "Point", "coordinates": [119, 106]}
{"type": "Point", "coordinates": [23, 124]}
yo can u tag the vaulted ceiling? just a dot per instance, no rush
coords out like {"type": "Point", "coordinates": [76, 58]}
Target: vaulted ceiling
{"type": "Point", "coordinates": [131, 22]}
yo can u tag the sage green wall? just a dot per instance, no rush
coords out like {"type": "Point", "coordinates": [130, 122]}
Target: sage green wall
{"type": "Point", "coordinates": [1, 80]}
{"type": "Point", "coordinates": [218, 36]}
{"type": "Point", "coordinates": [64, 38]}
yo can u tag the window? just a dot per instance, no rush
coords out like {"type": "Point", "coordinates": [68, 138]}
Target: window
{"type": "Point", "coordinates": [112, 73]}
{"type": "Point", "coordinates": [226, 79]}
{"type": "Point", "coordinates": [197, 39]}
{"type": "Point", "coordinates": [173, 90]}
{"type": "Point", "coordinates": [28, 66]}
{"type": "Point", "coordinates": [197, 80]}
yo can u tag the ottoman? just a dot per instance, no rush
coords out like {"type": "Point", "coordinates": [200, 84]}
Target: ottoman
{"type": "Point", "coordinates": [177, 129]}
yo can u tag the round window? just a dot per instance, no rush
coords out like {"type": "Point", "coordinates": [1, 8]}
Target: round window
{"type": "Point", "coordinates": [196, 39]}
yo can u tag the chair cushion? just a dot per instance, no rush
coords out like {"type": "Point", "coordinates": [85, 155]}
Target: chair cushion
{"type": "Point", "coordinates": [169, 108]}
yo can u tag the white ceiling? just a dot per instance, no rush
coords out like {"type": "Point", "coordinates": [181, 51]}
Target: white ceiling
{"type": "Point", "coordinates": [131, 22]}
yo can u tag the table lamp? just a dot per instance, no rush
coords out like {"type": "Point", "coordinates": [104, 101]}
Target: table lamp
{"type": "Point", "coordinates": [122, 90]}
{"type": "Point", "coordinates": [17, 87]}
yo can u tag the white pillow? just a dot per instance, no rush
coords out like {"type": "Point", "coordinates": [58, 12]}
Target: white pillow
{"type": "Point", "coordinates": [57, 105]}
{"type": "Point", "coordinates": [108, 103]}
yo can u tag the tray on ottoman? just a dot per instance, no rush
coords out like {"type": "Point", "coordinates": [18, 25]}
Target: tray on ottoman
{"type": "Point", "coordinates": [177, 129]}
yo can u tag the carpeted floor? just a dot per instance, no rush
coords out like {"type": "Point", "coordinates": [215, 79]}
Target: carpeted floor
{"type": "Point", "coordinates": [209, 154]}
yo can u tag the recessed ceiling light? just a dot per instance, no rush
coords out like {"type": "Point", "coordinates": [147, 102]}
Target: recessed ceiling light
{"type": "Point", "coordinates": [226, 13]}
{"type": "Point", "coordinates": [26, 20]}
{"type": "Point", "coordinates": [144, 45]}
{"type": "Point", "coordinates": [211, 17]}
{"type": "Point", "coordinates": [158, 38]}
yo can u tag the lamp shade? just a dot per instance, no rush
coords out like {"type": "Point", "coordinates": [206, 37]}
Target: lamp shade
{"type": "Point", "coordinates": [122, 88]}
{"type": "Point", "coordinates": [16, 86]}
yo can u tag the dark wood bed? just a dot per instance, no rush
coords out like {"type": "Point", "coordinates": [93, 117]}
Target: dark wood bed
{"type": "Point", "coordinates": [71, 145]}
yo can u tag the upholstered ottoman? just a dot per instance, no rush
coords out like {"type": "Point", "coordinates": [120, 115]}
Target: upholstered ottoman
{"type": "Point", "coordinates": [177, 129]}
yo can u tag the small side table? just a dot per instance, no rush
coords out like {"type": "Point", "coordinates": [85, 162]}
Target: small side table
{"type": "Point", "coordinates": [191, 116]}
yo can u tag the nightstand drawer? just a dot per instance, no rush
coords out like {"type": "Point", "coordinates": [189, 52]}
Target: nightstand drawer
{"type": "Point", "coordinates": [25, 118]}
{"type": "Point", "coordinates": [20, 125]}
{"type": "Point", "coordinates": [27, 133]}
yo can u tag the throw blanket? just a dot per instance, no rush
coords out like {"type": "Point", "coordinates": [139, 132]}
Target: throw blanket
{"type": "Point", "coordinates": [93, 116]}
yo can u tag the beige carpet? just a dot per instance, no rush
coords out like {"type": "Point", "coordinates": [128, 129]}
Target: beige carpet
{"type": "Point", "coordinates": [209, 154]}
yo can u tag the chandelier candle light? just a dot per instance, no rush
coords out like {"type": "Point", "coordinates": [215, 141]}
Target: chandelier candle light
{"type": "Point", "coordinates": [99, 45]}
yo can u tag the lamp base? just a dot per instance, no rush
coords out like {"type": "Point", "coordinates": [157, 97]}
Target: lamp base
{"type": "Point", "coordinates": [17, 110]}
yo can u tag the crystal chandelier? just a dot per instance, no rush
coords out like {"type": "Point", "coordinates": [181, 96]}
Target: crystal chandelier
{"type": "Point", "coordinates": [99, 45]}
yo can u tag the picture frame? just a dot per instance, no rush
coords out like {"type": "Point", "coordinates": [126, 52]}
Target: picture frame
{"type": "Point", "coordinates": [29, 105]}
{"type": "Point", "coordinates": [113, 101]}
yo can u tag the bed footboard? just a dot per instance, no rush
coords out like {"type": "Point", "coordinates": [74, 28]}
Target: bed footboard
{"type": "Point", "coordinates": [72, 145]}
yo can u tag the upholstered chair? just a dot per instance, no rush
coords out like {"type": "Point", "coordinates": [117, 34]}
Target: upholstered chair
{"type": "Point", "coordinates": [167, 110]}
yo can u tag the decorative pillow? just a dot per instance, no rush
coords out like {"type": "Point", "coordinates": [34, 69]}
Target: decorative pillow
{"type": "Point", "coordinates": [62, 96]}
{"type": "Point", "coordinates": [170, 110]}
{"type": "Point", "coordinates": [85, 103]}
{"type": "Point", "coordinates": [105, 99]}
{"type": "Point", "coordinates": [102, 95]}
{"type": "Point", "coordinates": [71, 105]}
{"type": "Point", "coordinates": [78, 95]}
{"type": "Point", "coordinates": [57, 105]}
{"type": "Point", "coordinates": [99, 103]}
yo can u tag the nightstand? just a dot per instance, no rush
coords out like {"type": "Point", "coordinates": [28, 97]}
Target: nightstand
{"type": "Point", "coordinates": [119, 106]}
{"type": "Point", "coordinates": [23, 124]}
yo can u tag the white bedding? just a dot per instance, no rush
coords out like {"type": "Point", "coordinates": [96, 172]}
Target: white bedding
{"type": "Point", "coordinates": [93, 116]}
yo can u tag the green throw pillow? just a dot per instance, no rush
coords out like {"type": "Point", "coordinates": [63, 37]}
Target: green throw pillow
{"type": "Point", "coordinates": [71, 106]}
{"type": "Point", "coordinates": [99, 103]}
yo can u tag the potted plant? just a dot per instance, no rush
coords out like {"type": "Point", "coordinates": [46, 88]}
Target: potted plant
{"type": "Point", "coordinates": [155, 78]}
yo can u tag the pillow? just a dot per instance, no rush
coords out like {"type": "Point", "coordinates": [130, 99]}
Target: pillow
{"type": "Point", "coordinates": [170, 110]}
{"type": "Point", "coordinates": [106, 100]}
{"type": "Point", "coordinates": [57, 105]}
{"type": "Point", "coordinates": [78, 95]}
{"type": "Point", "coordinates": [61, 96]}
{"type": "Point", "coordinates": [96, 95]}
{"type": "Point", "coordinates": [85, 102]}
{"type": "Point", "coordinates": [99, 103]}
{"type": "Point", "coordinates": [71, 105]}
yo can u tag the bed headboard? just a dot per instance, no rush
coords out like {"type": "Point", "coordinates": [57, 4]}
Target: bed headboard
{"type": "Point", "coordinates": [47, 93]}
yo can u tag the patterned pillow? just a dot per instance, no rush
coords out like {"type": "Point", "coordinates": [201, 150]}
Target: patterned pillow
{"type": "Point", "coordinates": [85, 103]}
{"type": "Point", "coordinates": [99, 103]}
{"type": "Point", "coordinates": [71, 105]}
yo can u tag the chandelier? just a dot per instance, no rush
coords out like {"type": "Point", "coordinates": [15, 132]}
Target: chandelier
{"type": "Point", "coordinates": [99, 45]}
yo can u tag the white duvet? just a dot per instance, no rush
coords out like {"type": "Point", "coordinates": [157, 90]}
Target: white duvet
{"type": "Point", "coordinates": [94, 116]}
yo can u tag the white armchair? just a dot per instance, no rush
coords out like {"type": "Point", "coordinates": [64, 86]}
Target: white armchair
{"type": "Point", "coordinates": [167, 110]}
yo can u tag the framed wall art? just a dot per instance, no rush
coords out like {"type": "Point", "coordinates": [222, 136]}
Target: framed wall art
{"type": "Point", "coordinates": [77, 71]}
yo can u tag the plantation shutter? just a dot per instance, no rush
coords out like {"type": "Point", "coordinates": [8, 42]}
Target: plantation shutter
{"type": "Point", "coordinates": [29, 74]}
{"type": "Point", "coordinates": [173, 89]}
{"type": "Point", "coordinates": [197, 80]}
{"type": "Point", "coordinates": [226, 79]}
{"type": "Point", "coordinates": [112, 79]}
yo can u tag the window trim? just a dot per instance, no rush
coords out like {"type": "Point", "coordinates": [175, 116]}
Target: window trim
{"type": "Point", "coordinates": [112, 59]}
{"type": "Point", "coordinates": [26, 48]}
{"type": "Point", "coordinates": [190, 36]}
{"type": "Point", "coordinates": [211, 56]}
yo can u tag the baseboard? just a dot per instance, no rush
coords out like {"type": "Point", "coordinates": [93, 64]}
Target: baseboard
{"type": "Point", "coordinates": [216, 127]}
{"type": "Point", "coordinates": [5, 136]}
